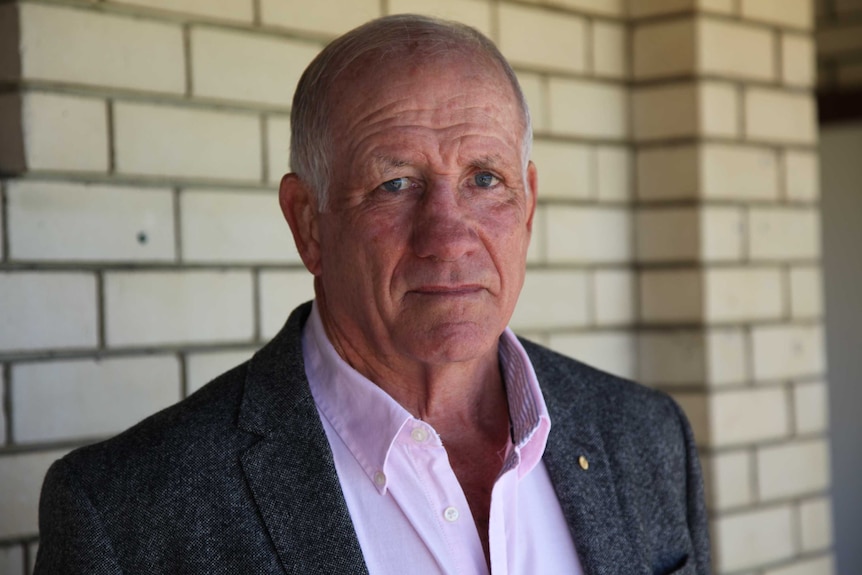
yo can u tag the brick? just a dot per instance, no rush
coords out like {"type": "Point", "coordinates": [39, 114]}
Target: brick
{"type": "Point", "coordinates": [726, 356]}
{"type": "Point", "coordinates": [589, 109]}
{"type": "Point", "coordinates": [587, 234]}
{"type": "Point", "coordinates": [12, 560]}
{"type": "Point", "coordinates": [727, 479]}
{"type": "Point", "coordinates": [609, 50]}
{"type": "Point", "coordinates": [280, 293]}
{"type": "Point", "coordinates": [232, 65]}
{"type": "Point", "coordinates": [237, 10]}
{"type": "Point", "coordinates": [739, 172]}
{"type": "Point", "coordinates": [824, 565]}
{"type": "Point", "coordinates": [171, 307]}
{"type": "Point", "coordinates": [643, 8]}
{"type": "Point", "coordinates": [329, 17]}
{"type": "Point", "coordinates": [603, 7]}
{"type": "Point", "coordinates": [743, 294]}
{"type": "Point", "coordinates": [810, 407]}
{"type": "Point", "coordinates": [54, 221]}
{"type": "Point", "coordinates": [711, 171]}
{"type": "Point", "coordinates": [65, 133]}
{"type": "Point", "coordinates": [747, 415]}
{"type": "Point", "coordinates": [164, 141]}
{"type": "Point", "coordinates": [614, 293]}
{"type": "Point", "coordinates": [565, 169]}
{"type": "Point", "coordinates": [671, 296]}
{"type": "Point", "coordinates": [793, 469]}
{"type": "Point", "coordinates": [242, 226]}
{"type": "Point", "coordinates": [10, 57]}
{"type": "Point", "coordinates": [752, 538]}
{"type": "Point", "coordinates": [552, 299]}
{"type": "Point", "coordinates": [277, 148]}
{"type": "Point", "coordinates": [671, 358]}
{"type": "Point", "coordinates": [475, 13]}
{"type": "Point", "coordinates": [668, 173]}
{"type": "Point", "coordinates": [664, 49]}
{"type": "Point", "coordinates": [21, 475]}
{"type": "Point", "coordinates": [47, 310]}
{"type": "Point", "coordinates": [696, 408]}
{"type": "Point", "coordinates": [735, 50]}
{"type": "Point", "coordinates": [86, 47]}
{"type": "Point", "coordinates": [801, 176]}
{"type": "Point", "coordinates": [33, 549]}
{"type": "Point", "coordinates": [795, 13]}
{"type": "Point", "coordinates": [685, 110]}
{"type": "Point", "coordinates": [777, 116]}
{"type": "Point", "coordinates": [785, 351]}
{"type": "Point", "coordinates": [63, 400]}
{"type": "Point", "coordinates": [797, 60]}
{"type": "Point", "coordinates": [688, 234]}
{"type": "Point", "coordinates": [783, 234]}
{"type": "Point", "coordinates": [535, 91]}
{"type": "Point", "coordinates": [613, 174]}
{"type": "Point", "coordinates": [541, 39]}
{"type": "Point", "coordinates": [815, 522]}
{"type": "Point", "coordinates": [12, 153]}
{"type": "Point", "coordinates": [806, 292]}
{"type": "Point", "coordinates": [838, 40]}
{"type": "Point", "coordinates": [203, 367]}
{"type": "Point", "coordinates": [537, 252]}
{"type": "Point", "coordinates": [703, 45]}
{"type": "Point", "coordinates": [613, 352]}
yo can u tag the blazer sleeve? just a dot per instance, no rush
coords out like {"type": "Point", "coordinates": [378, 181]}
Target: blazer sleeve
{"type": "Point", "coordinates": [72, 538]}
{"type": "Point", "coordinates": [698, 524]}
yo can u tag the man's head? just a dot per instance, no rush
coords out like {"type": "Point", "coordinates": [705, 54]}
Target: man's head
{"type": "Point", "coordinates": [416, 134]}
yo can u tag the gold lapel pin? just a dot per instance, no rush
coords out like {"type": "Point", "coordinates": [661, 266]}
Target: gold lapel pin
{"type": "Point", "coordinates": [582, 461]}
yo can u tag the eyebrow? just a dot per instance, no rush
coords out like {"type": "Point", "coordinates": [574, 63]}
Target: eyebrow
{"type": "Point", "coordinates": [387, 163]}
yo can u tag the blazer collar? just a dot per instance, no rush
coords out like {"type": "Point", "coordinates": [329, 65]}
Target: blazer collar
{"type": "Point", "coordinates": [290, 471]}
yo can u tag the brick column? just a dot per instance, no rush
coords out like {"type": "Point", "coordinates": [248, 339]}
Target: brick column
{"type": "Point", "coordinates": [728, 246]}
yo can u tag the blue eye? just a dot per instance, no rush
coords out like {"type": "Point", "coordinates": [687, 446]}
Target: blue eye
{"type": "Point", "coordinates": [396, 185]}
{"type": "Point", "coordinates": [485, 180]}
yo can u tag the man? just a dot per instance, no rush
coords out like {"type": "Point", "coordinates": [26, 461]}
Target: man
{"type": "Point", "coordinates": [396, 425]}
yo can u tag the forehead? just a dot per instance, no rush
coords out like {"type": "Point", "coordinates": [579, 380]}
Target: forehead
{"type": "Point", "coordinates": [448, 97]}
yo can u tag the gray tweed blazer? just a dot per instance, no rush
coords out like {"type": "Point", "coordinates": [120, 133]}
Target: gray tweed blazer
{"type": "Point", "coordinates": [239, 479]}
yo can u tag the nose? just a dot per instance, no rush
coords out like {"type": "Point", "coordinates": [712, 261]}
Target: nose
{"type": "Point", "coordinates": [443, 227]}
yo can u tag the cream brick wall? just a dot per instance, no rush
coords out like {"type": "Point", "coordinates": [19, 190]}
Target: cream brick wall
{"type": "Point", "coordinates": [65, 133]}
{"type": "Point", "coordinates": [185, 142]}
{"type": "Point", "coordinates": [57, 221]}
{"type": "Point", "coordinates": [170, 307]}
{"type": "Point", "coordinates": [60, 400]}
{"type": "Point", "coordinates": [676, 237]}
{"type": "Point", "coordinates": [100, 49]}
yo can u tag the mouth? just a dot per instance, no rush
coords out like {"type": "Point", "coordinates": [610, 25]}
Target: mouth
{"type": "Point", "coordinates": [447, 290]}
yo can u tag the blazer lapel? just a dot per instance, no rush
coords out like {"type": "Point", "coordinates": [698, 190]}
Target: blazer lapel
{"type": "Point", "coordinates": [588, 497]}
{"type": "Point", "coordinates": [290, 471]}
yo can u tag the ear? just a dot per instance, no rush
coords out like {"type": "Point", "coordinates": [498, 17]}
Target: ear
{"type": "Point", "coordinates": [532, 193]}
{"type": "Point", "coordinates": [299, 207]}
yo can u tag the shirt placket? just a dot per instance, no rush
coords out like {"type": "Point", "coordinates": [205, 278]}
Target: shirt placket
{"type": "Point", "coordinates": [455, 541]}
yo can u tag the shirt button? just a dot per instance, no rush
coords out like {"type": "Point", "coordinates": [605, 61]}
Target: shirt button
{"type": "Point", "coordinates": [451, 514]}
{"type": "Point", "coordinates": [379, 479]}
{"type": "Point", "coordinates": [419, 434]}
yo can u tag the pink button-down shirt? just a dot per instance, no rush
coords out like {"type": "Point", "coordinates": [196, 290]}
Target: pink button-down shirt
{"type": "Point", "coordinates": [407, 506]}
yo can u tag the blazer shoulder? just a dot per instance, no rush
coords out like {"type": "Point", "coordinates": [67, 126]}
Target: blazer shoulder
{"type": "Point", "coordinates": [197, 421]}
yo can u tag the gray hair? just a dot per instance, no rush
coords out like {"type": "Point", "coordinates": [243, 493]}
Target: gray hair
{"type": "Point", "coordinates": [402, 34]}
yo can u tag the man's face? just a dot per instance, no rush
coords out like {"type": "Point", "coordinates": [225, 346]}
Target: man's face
{"type": "Point", "coordinates": [422, 246]}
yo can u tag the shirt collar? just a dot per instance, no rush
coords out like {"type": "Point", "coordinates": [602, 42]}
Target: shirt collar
{"type": "Point", "coordinates": [368, 420]}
